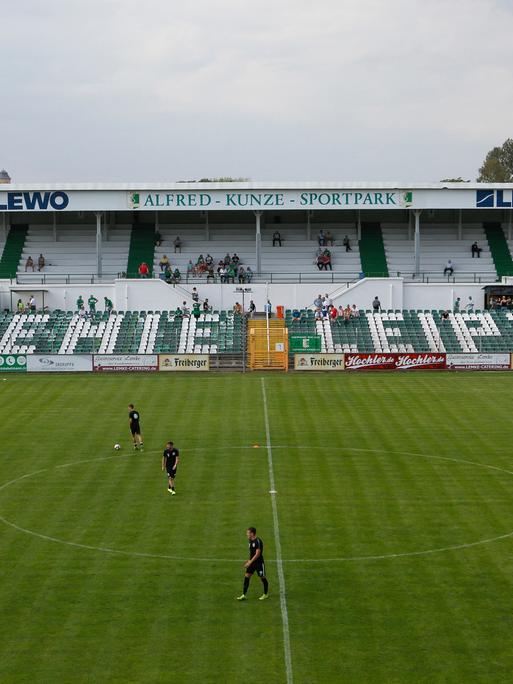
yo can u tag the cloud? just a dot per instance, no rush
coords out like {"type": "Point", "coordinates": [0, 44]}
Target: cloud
{"type": "Point", "coordinates": [336, 89]}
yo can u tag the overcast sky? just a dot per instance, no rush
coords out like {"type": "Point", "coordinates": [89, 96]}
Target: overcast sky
{"type": "Point", "coordinates": [124, 90]}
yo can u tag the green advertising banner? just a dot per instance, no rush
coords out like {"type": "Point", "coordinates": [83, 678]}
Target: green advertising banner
{"type": "Point", "coordinates": [13, 363]}
{"type": "Point", "coordinates": [305, 343]}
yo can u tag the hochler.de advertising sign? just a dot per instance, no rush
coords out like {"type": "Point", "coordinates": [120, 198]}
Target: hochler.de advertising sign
{"type": "Point", "coordinates": [392, 361]}
{"type": "Point", "coordinates": [478, 361]}
{"type": "Point", "coordinates": [312, 362]}
{"type": "Point", "coordinates": [62, 363]}
{"type": "Point", "coordinates": [13, 363]}
{"type": "Point", "coordinates": [125, 362]}
{"type": "Point", "coordinates": [184, 362]}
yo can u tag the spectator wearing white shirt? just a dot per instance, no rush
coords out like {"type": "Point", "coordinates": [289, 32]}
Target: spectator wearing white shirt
{"type": "Point", "coordinates": [449, 268]}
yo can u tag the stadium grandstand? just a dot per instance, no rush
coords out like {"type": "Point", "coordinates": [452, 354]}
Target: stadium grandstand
{"type": "Point", "coordinates": [429, 254]}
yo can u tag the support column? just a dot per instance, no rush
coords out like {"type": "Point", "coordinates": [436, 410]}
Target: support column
{"type": "Point", "coordinates": [98, 243]}
{"type": "Point", "coordinates": [417, 213]}
{"type": "Point", "coordinates": [359, 225]}
{"type": "Point", "coordinates": [258, 242]}
{"type": "Point", "coordinates": [460, 225]}
{"type": "Point", "coordinates": [207, 227]}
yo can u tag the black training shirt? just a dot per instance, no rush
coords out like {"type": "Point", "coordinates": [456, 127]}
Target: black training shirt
{"type": "Point", "coordinates": [255, 544]}
{"type": "Point", "coordinates": [170, 456]}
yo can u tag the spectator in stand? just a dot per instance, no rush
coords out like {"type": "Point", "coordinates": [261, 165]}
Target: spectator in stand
{"type": "Point", "coordinates": [209, 260]}
{"type": "Point", "coordinates": [449, 268]}
{"type": "Point", "coordinates": [227, 260]}
{"type": "Point", "coordinates": [376, 305]}
{"type": "Point", "coordinates": [327, 260]}
{"type": "Point", "coordinates": [347, 244]}
{"type": "Point", "coordinates": [318, 314]}
{"type": "Point", "coordinates": [242, 274]}
{"type": "Point", "coordinates": [475, 249]}
{"type": "Point", "coordinates": [92, 301]}
{"type": "Point", "coordinates": [177, 244]}
{"type": "Point", "coordinates": [196, 310]}
{"type": "Point", "coordinates": [223, 273]}
{"type": "Point", "coordinates": [249, 274]}
{"type": "Point", "coordinates": [251, 308]}
{"type": "Point", "coordinates": [80, 303]}
{"type": "Point", "coordinates": [177, 276]}
{"type": "Point", "coordinates": [276, 238]}
{"type": "Point", "coordinates": [144, 271]}
{"type": "Point", "coordinates": [235, 258]}
{"type": "Point", "coordinates": [347, 314]}
{"type": "Point", "coordinates": [164, 263]}
{"type": "Point", "coordinates": [329, 238]}
{"type": "Point", "coordinates": [206, 306]}
{"type": "Point", "coordinates": [41, 262]}
{"type": "Point", "coordinates": [190, 269]}
{"type": "Point", "coordinates": [445, 316]}
{"type": "Point", "coordinates": [327, 301]}
{"type": "Point", "coordinates": [470, 305]}
{"type": "Point", "coordinates": [318, 301]}
{"type": "Point", "coordinates": [340, 312]}
{"type": "Point", "coordinates": [32, 303]}
{"type": "Point", "coordinates": [178, 312]}
{"type": "Point", "coordinates": [268, 309]}
{"type": "Point", "coordinates": [185, 310]}
{"type": "Point", "coordinates": [321, 239]}
{"type": "Point", "coordinates": [29, 264]}
{"type": "Point", "coordinates": [457, 305]}
{"type": "Point", "coordinates": [232, 273]}
{"type": "Point", "coordinates": [200, 265]}
{"type": "Point", "coordinates": [195, 295]}
{"type": "Point", "coordinates": [296, 315]}
{"type": "Point", "coordinates": [237, 309]}
{"type": "Point", "coordinates": [210, 273]}
{"type": "Point", "coordinates": [333, 313]}
{"type": "Point", "coordinates": [108, 305]}
{"type": "Point", "coordinates": [20, 307]}
{"type": "Point", "coordinates": [157, 239]}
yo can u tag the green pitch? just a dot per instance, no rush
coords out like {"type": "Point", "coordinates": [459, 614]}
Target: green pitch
{"type": "Point", "coordinates": [395, 518]}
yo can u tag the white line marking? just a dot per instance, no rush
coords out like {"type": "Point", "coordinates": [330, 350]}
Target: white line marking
{"type": "Point", "coordinates": [277, 544]}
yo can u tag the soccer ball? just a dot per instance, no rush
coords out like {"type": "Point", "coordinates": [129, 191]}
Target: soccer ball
{"type": "Point", "coordinates": [117, 446]}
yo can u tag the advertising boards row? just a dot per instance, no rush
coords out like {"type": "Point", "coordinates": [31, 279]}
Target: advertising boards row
{"type": "Point", "coordinates": [129, 363]}
{"type": "Point", "coordinates": [398, 361]}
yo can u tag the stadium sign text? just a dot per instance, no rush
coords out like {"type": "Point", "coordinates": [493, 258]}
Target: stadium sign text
{"type": "Point", "coordinates": [494, 199]}
{"type": "Point", "coordinates": [33, 201]}
{"type": "Point", "coordinates": [263, 200]}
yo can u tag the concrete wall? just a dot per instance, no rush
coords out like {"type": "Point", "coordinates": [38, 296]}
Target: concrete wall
{"type": "Point", "coordinates": [156, 295]}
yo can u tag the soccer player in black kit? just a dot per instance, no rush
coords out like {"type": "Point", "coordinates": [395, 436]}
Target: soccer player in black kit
{"type": "Point", "coordinates": [254, 564]}
{"type": "Point", "coordinates": [135, 427]}
{"type": "Point", "coordinates": [170, 460]}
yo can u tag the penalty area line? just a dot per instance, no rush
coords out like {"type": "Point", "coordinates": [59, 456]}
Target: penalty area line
{"type": "Point", "coordinates": [277, 543]}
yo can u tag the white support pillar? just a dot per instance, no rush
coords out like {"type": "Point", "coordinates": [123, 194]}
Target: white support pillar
{"type": "Point", "coordinates": [417, 213]}
{"type": "Point", "coordinates": [98, 243]}
{"type": "Point", "coordinates": [359, 225]}
{"type": "Point", "coordinates": [258, 242]}
{"type": "Point", "coordinates": [54, 218]}
{"type": "Point", "coordinates": [460, 225]}
{"type": "Point", "coordinates": [207, 227]}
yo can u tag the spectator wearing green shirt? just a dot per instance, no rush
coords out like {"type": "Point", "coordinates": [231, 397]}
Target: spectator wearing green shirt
{"type": "Point", "coordinates": [196, 310]}
{"type": "Point", "coordinates": [108, 305]}
{"type": "Point", "coordinates": [92, 301]}
{"type": "Point", "coordinates": [232, 272]}
{"type": "Point", "coordinates": [80, 303]}
{"type": "Point", "coordinates": [457, 305]}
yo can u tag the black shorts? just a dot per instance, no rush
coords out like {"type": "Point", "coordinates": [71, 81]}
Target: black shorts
{"type": "Point", "coordinates": [171, 472]}
{"type": "Point", "coordinates": [135, 429]}
{"type": "Point", "coordinates": [259, 568]}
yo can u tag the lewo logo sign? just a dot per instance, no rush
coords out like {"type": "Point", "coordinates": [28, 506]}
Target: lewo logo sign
{"type": "Point", "coordinates": [33, 201]}
{"type": "Point", "coordinates": [494, 199]}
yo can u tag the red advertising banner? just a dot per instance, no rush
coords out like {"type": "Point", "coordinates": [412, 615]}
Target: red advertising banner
{"type": "Point", "coordinates": [391, 361]}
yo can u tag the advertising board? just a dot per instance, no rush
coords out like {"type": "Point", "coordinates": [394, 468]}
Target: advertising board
{"type": "Point", "coordinates": [184, 362]}
{"type": "Point", "coordinates": [59, 363]}
{"type": "Point", "coordinates": [125, 362]}
{"type": "Point", "coordinates": [10, 363]}
{"type": "Point", "coordinates": [316, 362]}
{"type": "Point", "coordinates": [478, 361]}
{"type": "Point", "coordinates": [394, 361]}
